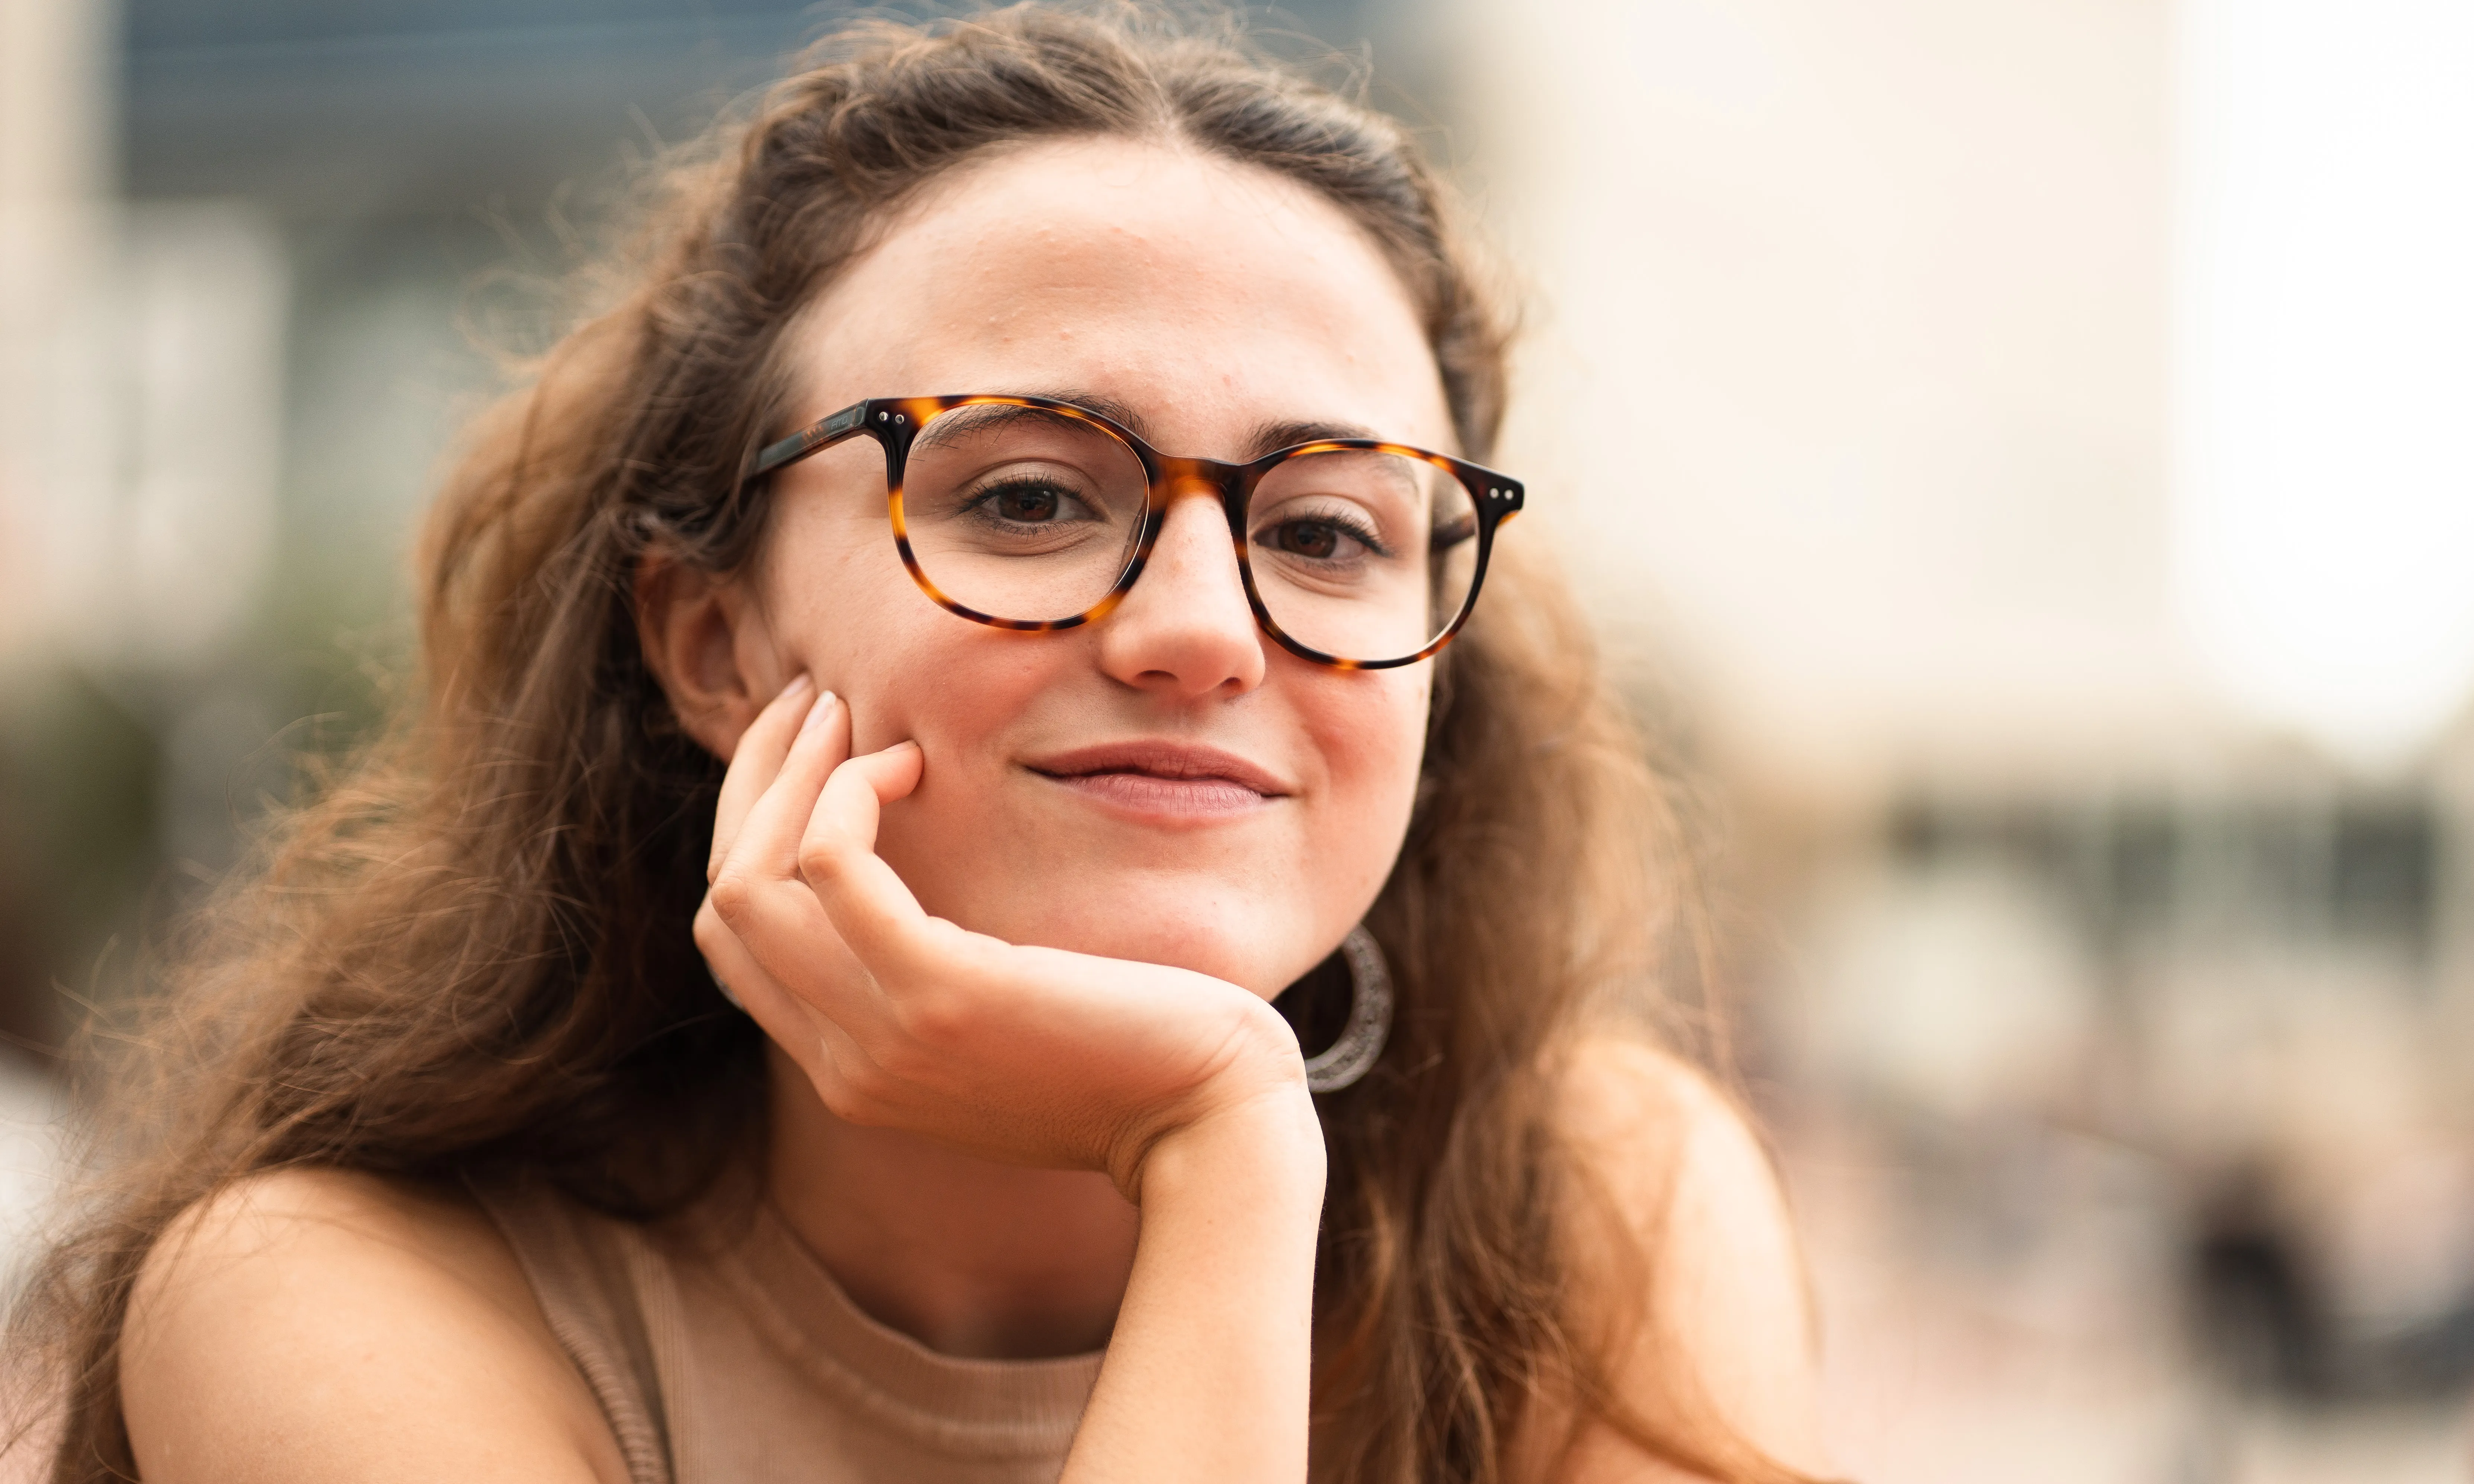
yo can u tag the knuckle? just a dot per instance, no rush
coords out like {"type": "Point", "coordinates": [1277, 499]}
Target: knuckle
{"type": "Point", "coordinates": [820, 861]}
{"type": "Point", "coordinates": [934, 1021]}
{"type": "Point", "coordinates": [841, 1097]}
{"type": "Point", "coordinates": [860, 1094]}
{"type": "Point", "coordinates": [905, 1059]}
{"type": "Point", "coordinates": [708, 930]}
{"type": "Point", "coordinates": [732, 895]}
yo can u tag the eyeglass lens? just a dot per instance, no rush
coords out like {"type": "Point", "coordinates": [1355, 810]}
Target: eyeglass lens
{"type": "Point", "coordinates": [1028, 515]}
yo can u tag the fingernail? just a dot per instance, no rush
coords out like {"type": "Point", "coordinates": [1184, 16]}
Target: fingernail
{"type": "Point", "coordinates": [817, 713]}
{"type": "Point", "coordinates": [798, 685]}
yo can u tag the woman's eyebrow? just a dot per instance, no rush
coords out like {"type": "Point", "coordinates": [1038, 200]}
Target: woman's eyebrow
{"type": "Point", "coordinates": [981, 417]}
{"type": "Point", "coordinates": [1268, 437]}
{"type": "Point", "coordinates": [1114, 411]}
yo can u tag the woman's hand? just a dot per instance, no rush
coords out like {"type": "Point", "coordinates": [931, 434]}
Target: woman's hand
{"type": "Point", "coordinates": [1032, 1056]}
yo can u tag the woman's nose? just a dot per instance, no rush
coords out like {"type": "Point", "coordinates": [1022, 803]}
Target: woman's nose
{"type": "Point", "coordinates": [1185, 625]}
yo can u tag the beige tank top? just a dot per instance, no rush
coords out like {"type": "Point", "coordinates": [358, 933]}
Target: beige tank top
{"type": "Point", "coordinates": [722, 1353]}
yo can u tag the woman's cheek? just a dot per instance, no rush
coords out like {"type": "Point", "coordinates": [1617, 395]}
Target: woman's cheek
{"type": "Point", "coordinates": [907, 676]}
{"type": "Point", "coordinates": [960, 696]}
{"type": "Point", "coordinates": [956, 688]}
{"type": "Point", "coordinates": [1375, 743]}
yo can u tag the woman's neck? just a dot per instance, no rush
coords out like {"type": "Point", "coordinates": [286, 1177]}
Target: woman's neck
{"type": "Point", "coordinates": [967, 1257]}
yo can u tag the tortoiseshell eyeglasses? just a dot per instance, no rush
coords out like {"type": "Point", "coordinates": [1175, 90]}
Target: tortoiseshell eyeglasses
{"type": "Point", "coordinates": [1030, 513]}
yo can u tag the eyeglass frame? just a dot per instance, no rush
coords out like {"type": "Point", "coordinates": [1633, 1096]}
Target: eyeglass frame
{"type": "Point", "coordinates": [894, 422]}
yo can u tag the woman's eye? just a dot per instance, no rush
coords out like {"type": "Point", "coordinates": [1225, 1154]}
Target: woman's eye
{"type": "Point", "coordinates": [1027, 503]}
{"type": "Point", "coordinates": [1317, 539]}
{"type": "Point", "coordinates": [1322, 538]}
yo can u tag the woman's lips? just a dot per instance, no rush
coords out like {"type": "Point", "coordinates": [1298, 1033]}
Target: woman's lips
{"type": "Point", "coordinates": [1186, 797]}
{"type": "Point", "coordinates": [1164, 779]}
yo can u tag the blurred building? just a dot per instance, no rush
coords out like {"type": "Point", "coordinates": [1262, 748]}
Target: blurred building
{"type": "Point", "coordinates": [2017, 452]}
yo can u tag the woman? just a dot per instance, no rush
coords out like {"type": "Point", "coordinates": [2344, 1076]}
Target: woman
{"type": "Point", "coordinates": [1009, 751]}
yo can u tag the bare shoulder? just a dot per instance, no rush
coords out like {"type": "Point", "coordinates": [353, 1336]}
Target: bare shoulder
{"type": "Point", "coordinates": [1664, 1138]}
{"type": "Point", "coordinates": [320, 1324]}
{"type": "Point", "coordinates": [1710, 1252]}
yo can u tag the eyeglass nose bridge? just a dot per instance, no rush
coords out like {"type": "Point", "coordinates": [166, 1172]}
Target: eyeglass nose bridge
{"type": "Point", "coordinates": [1173, 480]}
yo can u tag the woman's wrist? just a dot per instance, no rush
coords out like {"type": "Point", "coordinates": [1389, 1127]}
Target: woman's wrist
{"type": "Point", "coordinates": [1208, 1371]}
{"type": "Point", "coordinates": [1267, 1146]}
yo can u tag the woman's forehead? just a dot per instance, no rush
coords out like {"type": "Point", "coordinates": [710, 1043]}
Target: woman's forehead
{"type": "Point", "coordinates": [1177, 281]}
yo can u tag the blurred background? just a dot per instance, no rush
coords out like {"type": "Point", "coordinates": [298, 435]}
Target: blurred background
{"type": "Point", "coordinates": [2018, 450]}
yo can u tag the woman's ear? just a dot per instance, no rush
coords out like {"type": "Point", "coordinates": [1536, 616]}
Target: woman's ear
{"type": "Point", "coordinates": [705, 640]}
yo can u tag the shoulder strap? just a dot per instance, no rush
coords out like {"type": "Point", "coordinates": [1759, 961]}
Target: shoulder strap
{"type": "Point", "coordinates": [588, 1273]}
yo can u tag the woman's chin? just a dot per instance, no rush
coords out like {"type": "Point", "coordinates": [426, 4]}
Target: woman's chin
{"type": "Point", "coordinates": [1262, 951]}
{"type": "Point", "coordinates": [1259, 957]}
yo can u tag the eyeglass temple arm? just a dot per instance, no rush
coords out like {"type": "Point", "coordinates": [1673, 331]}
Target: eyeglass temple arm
{"type": "Point", "coordinates": [813, 438]}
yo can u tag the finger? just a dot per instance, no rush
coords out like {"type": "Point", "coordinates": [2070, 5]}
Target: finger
{"type": "Point", "coordinates": [810, 1032]}
{"type": "Point", "coordinates": [869, 905]}
{"type": "Point", "coordinates": [756, 760]}
{"type": "Point", "coordinates": [766, 848]}
{"type": "Point", "coordinates": [736, 971]}
{"type": "Point", "coordinates": [855, 796]}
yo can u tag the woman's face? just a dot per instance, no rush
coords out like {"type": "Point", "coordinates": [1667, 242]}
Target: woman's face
{"type": "Point", "coordinates": [1166, 784]}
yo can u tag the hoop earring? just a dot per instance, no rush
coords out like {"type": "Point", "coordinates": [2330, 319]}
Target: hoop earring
{"type": "Point", "coordinates": [1369, 1017]}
